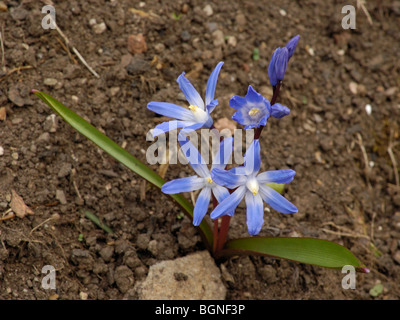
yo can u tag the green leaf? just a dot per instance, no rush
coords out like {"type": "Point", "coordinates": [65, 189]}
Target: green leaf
{"type": "Point", "coordinates": [318, 252]}
{"type": "Point", "coordinates": [120, 154]}
{"type": "Point", "coordinates": [279, 187]}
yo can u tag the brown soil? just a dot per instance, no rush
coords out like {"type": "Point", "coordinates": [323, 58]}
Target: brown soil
{"type": "Point", "coordinates": [329, 139]}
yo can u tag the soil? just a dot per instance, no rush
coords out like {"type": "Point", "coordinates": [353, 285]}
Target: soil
{"type": "Point", "coordinates": [346, 158]}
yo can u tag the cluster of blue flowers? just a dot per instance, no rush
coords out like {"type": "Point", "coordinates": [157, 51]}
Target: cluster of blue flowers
{"type": "Point", "coordinates": [229, 187]}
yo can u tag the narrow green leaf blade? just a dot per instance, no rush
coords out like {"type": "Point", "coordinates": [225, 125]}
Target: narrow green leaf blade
{"type": "Point", "coordinates": [318, 252]}
{"type": "Point", "coordinates": [120, 154]}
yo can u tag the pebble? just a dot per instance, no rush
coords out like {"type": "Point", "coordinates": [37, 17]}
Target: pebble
{"type": "Point", "coordinates": [99, 28]}
{"type": "Point", "coordinates": [1, 151]}
{"type": "Point", "coordinates": [219, 38]}
{"type": "Point", "coordinates": [137, 43]}
{"type": "Point", "coordinates": [15, 155]}
{"type": "Point", "coordinates": [200, 279]}
{"type": "Point", "coordinates": [232, 41]}
{"type": "Point", "coordinates": [65, 170]}
{"type": "Point", "coordinates": [240, 19]}
{"type": "Point", "coordinates": [396, 257]}
{"type": "Point", "coordinates": [208, 10]}
{"type": "Point", "coordinates": [51, 82]}
{"type": "Point", "coordinates": [159, 47]}
{"type": "Point", "coordinates": [3, 6]}
{"type": "Point", "coordinates": [60, 196]}
{"type": "Point", "coordinates": [83, 295]}
{"type": "Point", "coordinates": [368, 109]}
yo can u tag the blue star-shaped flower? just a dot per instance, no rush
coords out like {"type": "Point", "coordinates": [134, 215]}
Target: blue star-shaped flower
{"type": "Point", "coordinates": [197, 115]}
{"type": "Point", "coordinates": [203, 178]}
{"type": "Point", "coordinates": [250, 184]}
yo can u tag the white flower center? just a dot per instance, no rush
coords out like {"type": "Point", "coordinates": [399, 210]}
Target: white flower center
{"type": "Point", "coordinates": [252, 185]}
{"type": "Point", "coordinates": [254, 111]}
{"type": "Point", "coordinates": [199, 114]}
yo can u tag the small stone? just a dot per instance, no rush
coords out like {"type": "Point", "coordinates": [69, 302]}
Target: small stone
{"type": "Point", "coordinates": [396, 257]}
{"type": "Point", "coordinates": [65, 170]}
{"type": "Point", "coordinates": [51, 82]}
{"type": "Point", "coordinates": [3, 113]}
{"type": "Point", "coordinates": [99, 28]}
{"type": "Point", "coordinates": [44, 137]}
{"type": "Point", "coordinates": [60, 196]}
{"type": "Point", "coordinates": [240, 19]}
{"type": "Point", "coordinates": [3, 6]}
{"type": "Point", "coordinates": [353, 87]}
{"type": "Point", "coordinates": [92, 22]}
{"type": "Point", "coordinates": [232, 41]}
{"type": "Point", "coordinates": [19, 13]}
{"type": "Point", "coordinates": [208, 10]}
{"type": "Point", "coordinates": [219, 38]}
{"type": "Point", "coordinates": [282, 12]}
{"type": "Point", "coordinates": [1, 151]}
{"type": "Point", "coordinates": [17, 120]}
{"type": "Point", "coordinates": [83, 295]}
{"type": "Point", "coordinates": [159, 47]}
{"type": "Point", "coordinates": [137, 43]}
{"type": "Point", "coordinates": [368, 109]}
{"type": "Point", "coordinates": [202, 280]}
{"type": "Point", "coordinates": [15, 155]}
{"type": "Point", "coordinates": [114, 91]}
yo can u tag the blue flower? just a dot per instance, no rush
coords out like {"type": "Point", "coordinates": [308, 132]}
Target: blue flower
{"type": "Point", "coordinates": [277, 66]}
{"type": "Point", "coordinates": [253, 109]}
{"type": "Point", "coordinates": [203, 179]}
{"type": "Point", "coordinates": [292, 44]}
{"type": "Point", "coordinates": [279, 111]}
{"type": "Point", "coordinates": [197, 115]}
{"type": "Point", "coordinates": [249, 184]}
{"type": "Point", "coordinates": [280, 59]}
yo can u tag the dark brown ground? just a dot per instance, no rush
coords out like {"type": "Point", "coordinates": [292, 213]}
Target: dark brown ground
{"type": "Point", "coordinates": [327, 139]}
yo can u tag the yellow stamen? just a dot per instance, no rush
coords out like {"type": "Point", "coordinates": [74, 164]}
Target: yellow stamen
{"type": "Point", "coordinates": [209, 180]}
{"type": "Point", "coordinates": [193, 108]}
{"type": "Point", "coordinates": [254, 111]}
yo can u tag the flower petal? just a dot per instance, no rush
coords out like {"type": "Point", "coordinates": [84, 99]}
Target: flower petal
{"type": "Point", "coordinates": [169, 126]}
{"type": "Point", "coordinates": [171, 110]}
{"type": "Point", "coordinates": [291, 45]}
{"type": "Point", "coordinates": [255, 213]}
{"type": "Point", "coordinates": [277, 176]}
{"type": "Point", "coordinates": [192, 127]}
{"type": "Point", "coordinates": [183, 185]}
{"type": "Point", "coordinates": [212, 83]}
{"type": "Point", "coordinates": [253, 96]}
{"type": "Point", "coordinates": [227, 179]}
{"type": "Point", "coordinates": [229, 204]}
{"type": "Point", "coordinates": [252, 160]}
{"type": "Point", "coordinates": [220, 192]}
{"type": "Point", "coordinates": [276, 201]}
{"type": "Point", "coordinates": [224, 153]}
{"type": "Point", "coordinates": [211, 106]}
{"type": "Point", "coordinates": [279, 111]}
{"type": "Point", "coordinates": [237, 102]}
{"type": "Point", "coordinates": [271, 69]}
{"type": "Point", "coordinates": [191, 94]}
{"type": "Point", "coordinates": [201, 206]}
{"type": "Point", "coordinates": [281, 63]}
{"type": "Point", "coordinates": [194, 157]}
